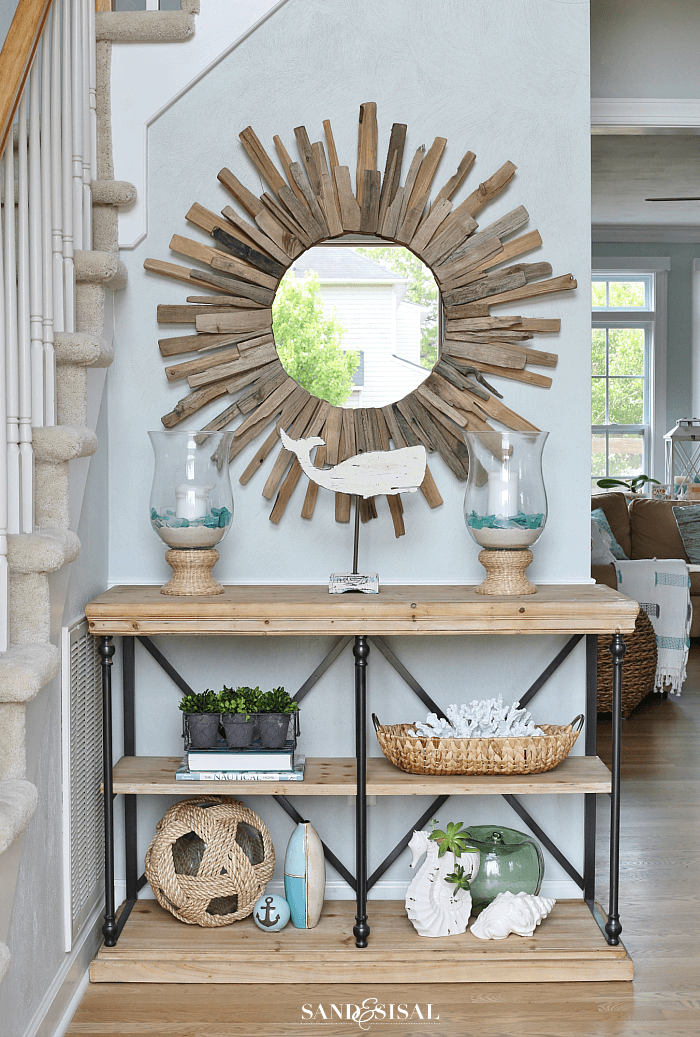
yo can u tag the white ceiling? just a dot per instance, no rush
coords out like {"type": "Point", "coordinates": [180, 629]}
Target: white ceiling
{"type": "Point", "coordinates": [628, 169]}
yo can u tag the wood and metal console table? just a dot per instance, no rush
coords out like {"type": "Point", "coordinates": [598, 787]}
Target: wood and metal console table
{"type": "Point", "coordinates": [569, 947]}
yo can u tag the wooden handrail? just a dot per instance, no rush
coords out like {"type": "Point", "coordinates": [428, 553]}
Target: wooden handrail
{"type": "Point", "coordinates": [16, 59]}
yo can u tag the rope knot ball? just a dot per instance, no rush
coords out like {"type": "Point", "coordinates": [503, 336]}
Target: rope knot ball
{"type": "Point", "coordinates": [210, 860]}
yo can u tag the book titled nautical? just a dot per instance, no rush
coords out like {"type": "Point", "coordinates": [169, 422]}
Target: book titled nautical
{"type": "Point", "coordinates": [296, 773]}
{"type": "Point", "coordinates": [241, 759]}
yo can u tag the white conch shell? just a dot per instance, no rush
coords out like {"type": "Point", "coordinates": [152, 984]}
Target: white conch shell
{"type": "Point", "coordinates": [437, 907]}
{"type": "Point", "coordinates": [519, 913]}
{"type": "Point", "coordinates": [377, 472]}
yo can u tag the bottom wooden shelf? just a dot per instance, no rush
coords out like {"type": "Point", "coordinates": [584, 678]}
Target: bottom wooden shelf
{"type": "Point", "coordinates": [155, 948]}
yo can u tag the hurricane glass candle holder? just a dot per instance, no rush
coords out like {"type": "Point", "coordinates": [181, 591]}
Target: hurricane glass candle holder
{"type": "Point", "coordinates": [191, 505]}
{"type": "Point", "coordinates": [505, 505]}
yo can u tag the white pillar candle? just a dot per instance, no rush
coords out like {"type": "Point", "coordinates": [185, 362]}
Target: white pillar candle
{"type": "Point", "coordinates": [504, 487]}
{"type": "Point", "coordinates": [192, 502]}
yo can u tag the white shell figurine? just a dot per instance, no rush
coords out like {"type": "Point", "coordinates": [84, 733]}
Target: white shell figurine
{"type": "Point", "coordinates": [377, 472]}
{"type": "Point", "coordinates": [519, 913]}
{"type": "Point", "coordinates": [437, 907]}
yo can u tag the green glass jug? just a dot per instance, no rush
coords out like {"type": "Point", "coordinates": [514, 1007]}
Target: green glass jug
{"type": "Point", "coordinates": [510, 861]}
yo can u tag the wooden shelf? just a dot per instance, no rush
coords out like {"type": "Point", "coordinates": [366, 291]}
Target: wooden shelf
{"type": "Point", "coordinates": [155, 948]}
{"type": "Point", "coordinates": [155, 775]}
{"type": "Point", "coordinates": [311, 610]}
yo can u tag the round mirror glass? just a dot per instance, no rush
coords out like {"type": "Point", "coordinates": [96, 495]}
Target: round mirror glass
{"type": "Point", "coordinates": [357, 326]}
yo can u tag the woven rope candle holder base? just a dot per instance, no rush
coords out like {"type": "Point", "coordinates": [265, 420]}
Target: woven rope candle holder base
{"type": "Point", "coordinates": [192, 572]}
{"type": "Point", "coordinates": [506, 573]}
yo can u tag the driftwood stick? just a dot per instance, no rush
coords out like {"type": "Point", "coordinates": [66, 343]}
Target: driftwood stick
{"type": "Point", "coordinates": [350, 212]}
{"type": "Point", "coordinates": [333, 160]}
{"type": "Point", "coordinates": [225, 322]}
{"type": "Point", "coordinates": [307, 157]}
{"type": "Point", "coordinates": [221, 356]}
{"type": "Point", "coordinates": [455, 182]}
{"type": "Point", "coordinates": [411, 177]}
{"type": "Point", "coordinates": [369, 210]}
{"type": "Point", "coordinates": [286, 161]}
{"type": "Point", "coordinates": [282, 216]}
{"type": "Point", "coordinates": [195, 343]}
{"type": "Point", "coordinates": [307, 511]}
{"type": "Point", "coordinates": [366, 146]}
{"type": "Point", "coordinates": [253, 358]}
{"type": "Point", "coordinates": [166, 314]}
{"type": "Point", "coordinates": [256, 235]}
{"type": "Point", "coordinates": [392, 168]}
{"type": "Point", "coordinates": [248, 255]}
{"type": "Point", "coordinates": [225, 283]}
{"type": "Point", "coordinates": [190, 404]}
{"type": "Point", "coordinates": [262, 454]}
{"type": "Point", "coordinates": [430, 225]}
{"type": "Point", "coordinates": [260, 158]}
{"type": "Point", "coordinates": [239, 191]}
{"type": "Point", "coordinates": [428, 169]}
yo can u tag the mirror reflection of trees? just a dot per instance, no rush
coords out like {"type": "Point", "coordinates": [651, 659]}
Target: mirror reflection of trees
{"type": "Point", "coordinates": [309, 340]}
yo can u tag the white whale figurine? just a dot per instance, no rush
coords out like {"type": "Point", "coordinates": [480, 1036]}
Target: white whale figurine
{"type": "Point", "coordinates": [377, 472]}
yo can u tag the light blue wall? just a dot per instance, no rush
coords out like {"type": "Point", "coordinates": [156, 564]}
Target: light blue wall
{"type": "Point", "coordinates": [485, 82]}
{"type": "Point", "coordinates": [679, 339]}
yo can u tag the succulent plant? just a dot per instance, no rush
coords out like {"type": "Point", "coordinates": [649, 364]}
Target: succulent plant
{"type": "Point", "coordinates": [451, 839]}
{"type": "Point", "coordinates": [459, 878]}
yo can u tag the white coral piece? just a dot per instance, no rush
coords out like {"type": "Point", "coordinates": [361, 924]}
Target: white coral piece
{"type": "Point", "coordinates": [487, 718]}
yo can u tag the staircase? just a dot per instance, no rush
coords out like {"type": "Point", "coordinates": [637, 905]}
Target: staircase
{"type": "Point", "coordinates": [59, 260]}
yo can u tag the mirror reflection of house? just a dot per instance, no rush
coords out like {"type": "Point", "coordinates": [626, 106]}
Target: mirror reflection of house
{"type": "Point", "coordinates": [369, 301]}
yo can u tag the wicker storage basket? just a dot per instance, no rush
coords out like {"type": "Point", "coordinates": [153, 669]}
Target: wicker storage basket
{"type": "Point", "coordinates": [638, 670]}
{"type": "Point", "coordinates": [421, 755]}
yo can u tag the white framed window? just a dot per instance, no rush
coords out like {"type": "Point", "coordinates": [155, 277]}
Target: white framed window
{"type": "Point", "coordinates": [628, 366]}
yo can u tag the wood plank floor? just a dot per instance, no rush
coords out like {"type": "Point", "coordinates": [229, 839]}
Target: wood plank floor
{"type": "Point", "coordinates": [659, 909]}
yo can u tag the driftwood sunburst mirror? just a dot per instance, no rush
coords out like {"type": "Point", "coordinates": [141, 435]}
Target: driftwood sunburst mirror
{"type": "Point", "coordinates": [241, 270]}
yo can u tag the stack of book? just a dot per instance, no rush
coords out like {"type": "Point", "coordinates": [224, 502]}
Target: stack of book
{"type": "Point", "coordinates": [252, 764]}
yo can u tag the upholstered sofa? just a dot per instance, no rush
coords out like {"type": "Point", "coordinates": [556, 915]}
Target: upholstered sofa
{"type": "Point", "coordinates": [645, 528]}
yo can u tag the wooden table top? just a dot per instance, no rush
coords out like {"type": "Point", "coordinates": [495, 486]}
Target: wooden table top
{"type": "Point", "coordinates": [310, 610]}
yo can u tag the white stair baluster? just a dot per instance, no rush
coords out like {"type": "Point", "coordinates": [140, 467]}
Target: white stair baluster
{"type": "Point", "coordinates": [46, 221]}
{"type": "Point", "coordinates": [92, 50]}
{"type": "Point", "coordinates": [67, 166]}
{"type": "Point", "coordinates": [56, 171]}
{"type": "Point", "coordinates": [4, 483]}
{"type": "Point", "coordinates": [87, 121]}
{"type": "Point", "coordinates": [26, 459]}
{"type": "Point", "coordinates": [36, 289]}
{"type": "Point", "coordinates": [77, 105]}
{"type": "Point", "coordinates": [11, 345]}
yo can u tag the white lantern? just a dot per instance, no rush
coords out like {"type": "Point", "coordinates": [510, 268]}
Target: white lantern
{"type": "Point", "coordinates": [682, 445]}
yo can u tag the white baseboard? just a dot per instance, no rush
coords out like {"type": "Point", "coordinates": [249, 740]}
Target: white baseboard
{"type": "Point", "coordinates": [559, 889]}
{"type": "Point", "coordinates": [59, 1003]}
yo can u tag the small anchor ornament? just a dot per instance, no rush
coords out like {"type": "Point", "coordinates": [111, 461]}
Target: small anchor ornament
{"type": "Point", "coordinates": [271, 913]}
{"type": "Point", "coordinates": [266, 921]}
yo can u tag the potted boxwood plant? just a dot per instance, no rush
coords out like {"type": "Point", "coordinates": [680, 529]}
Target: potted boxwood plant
{"type": "Point", "coordinates": [238, 709]}
{"type": "Point", "coordinates": [202, 712]}
{"type": "Point", "coordinates": [274, 711]}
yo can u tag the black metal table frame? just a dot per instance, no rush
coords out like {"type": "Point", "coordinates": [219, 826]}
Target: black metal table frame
{"type": "Point", "coordinates": [361, 883]}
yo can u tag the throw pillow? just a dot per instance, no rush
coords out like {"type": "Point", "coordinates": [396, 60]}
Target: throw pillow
{"type": "Point", "coordinates": [606, 532]}
{"type": "Point", "coordinates": [688, 522]}
{"type": "Point", "coordinates": [600, 548]}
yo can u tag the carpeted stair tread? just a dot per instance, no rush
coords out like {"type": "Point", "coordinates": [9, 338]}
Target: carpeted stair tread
{"type": "Point", "coordinates": [26, 669]}
{"type": "Point", "coordinates": [18, 800]}
{"type": "Point", "coordinates": [41, 552]}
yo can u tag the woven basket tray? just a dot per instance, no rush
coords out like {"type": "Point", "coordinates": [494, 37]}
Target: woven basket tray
{"type": "Point", "coordinates": [421, 755]}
